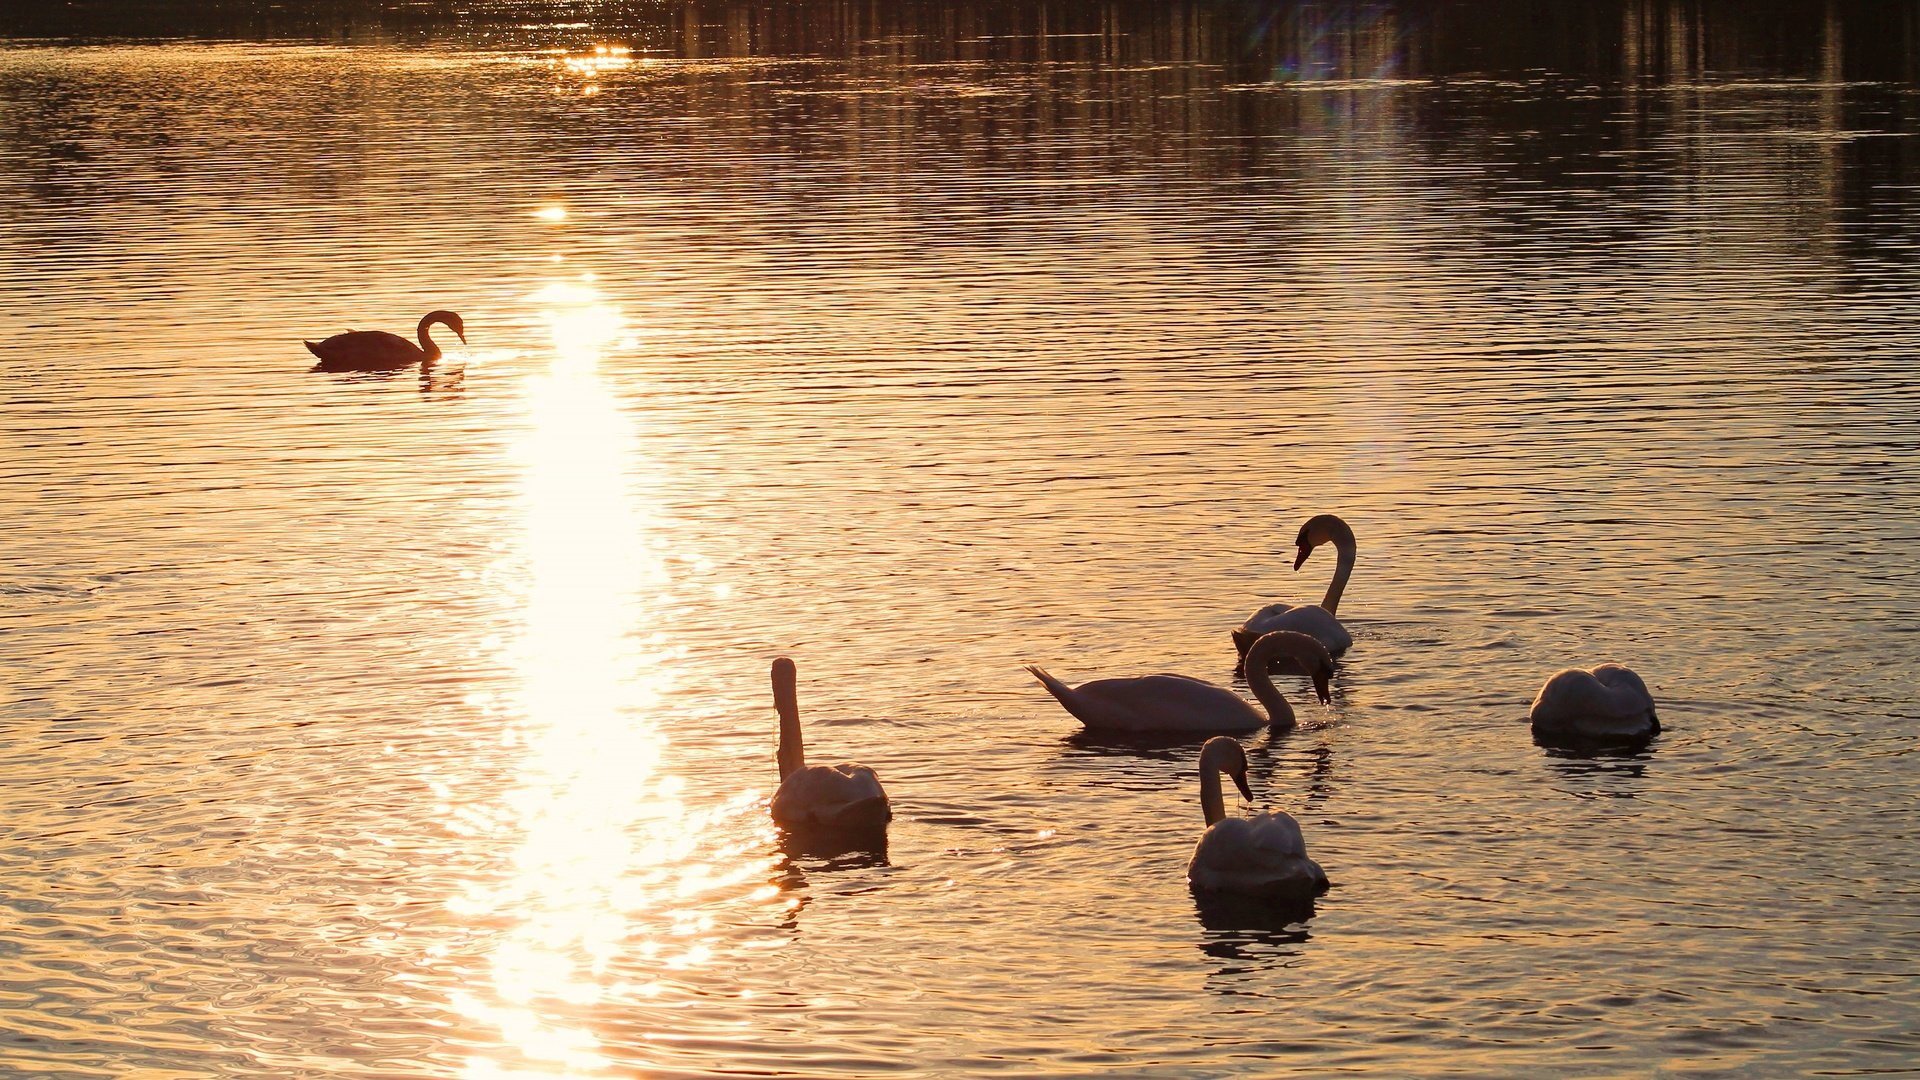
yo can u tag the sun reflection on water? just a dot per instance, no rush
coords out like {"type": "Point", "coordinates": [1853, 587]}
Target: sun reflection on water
{"type": "Point", "coordinates": [607, 852]}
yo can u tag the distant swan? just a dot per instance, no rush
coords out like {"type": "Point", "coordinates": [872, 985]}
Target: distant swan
{"type": "Point", "coordinates": [838, 798]}
{"type": "Point", "coordinates": [1263, 856]}
{"type": "Point", "coordinates": [1180, 703]}
{"type": "Point", "coordinates": [1315, 620]}
{"type": "Point", "coordinates": [1607, 704]}
{"type": "Point", "coordinates": [377, 350]}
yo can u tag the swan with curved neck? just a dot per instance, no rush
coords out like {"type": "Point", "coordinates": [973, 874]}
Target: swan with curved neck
{"type": "Point", "coordinates": [377, 350]}
{"type": "Point", "coordinates": [1262, 856]}
{"type": "Point", "coordinates": [1180, 703]}
{"type": "Point", "coordinates": [1606, 704]}
{"type": "Point", "coordinates": [837, 798]}
{"type": "Point", "coordinates": [1318, 621]}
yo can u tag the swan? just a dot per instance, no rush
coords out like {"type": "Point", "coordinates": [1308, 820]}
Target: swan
{"type": "Point", "coordinates": [377, 350]}
{"type": "Point", "coordinates": [1264, 855]}
{"type": "Point", "coordinates": [1180, 703]}
{"type": "Point", "coordinates": [1315, 620]}
{"type": "Point", "coordinates": [1606, 704]}
{"type": "Point", "coordinates": [836, 798]}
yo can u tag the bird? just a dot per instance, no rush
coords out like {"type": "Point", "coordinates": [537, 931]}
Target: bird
{"type": "Point", "coordinates": [1316, 620]}
{"type": "Point", "coordinates": [377, 350]}
{"type": "Point", "coordinates": [1608, 704]}
{"type": "Point", "coordinates": [1262, 856]}
{"type": "Point", "coordinates": [1181, 703]}
{"type": "Point", "coordinates": [844, 798]}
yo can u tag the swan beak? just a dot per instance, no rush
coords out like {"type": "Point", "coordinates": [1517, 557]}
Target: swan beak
{"type": "Point", "coordinates": [1240, 781]}
{"type": "Point", "coordinates": [1300, 560]}
{"type": "Point", "coordinates": [1323, 685]}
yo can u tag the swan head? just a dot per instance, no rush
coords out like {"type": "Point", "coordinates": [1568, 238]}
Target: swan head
{"type": "Point", "coordinates": [1224, 754]}
{"type": "Point", "coordinates": [1304, 650]}
{"type": "Point", "coordinates": [1319, 529]}
{"type": "Point", "coordinates": [1322, 676]}
{"type": "Point", "coordinates": [450, 320]}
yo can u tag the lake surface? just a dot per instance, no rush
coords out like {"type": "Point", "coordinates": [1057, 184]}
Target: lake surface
{"type": "Point", "coordinates": [390, 726]}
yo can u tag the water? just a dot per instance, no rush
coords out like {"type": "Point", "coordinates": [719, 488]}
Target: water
{"type": "Point", "coordinates": [380, 726]}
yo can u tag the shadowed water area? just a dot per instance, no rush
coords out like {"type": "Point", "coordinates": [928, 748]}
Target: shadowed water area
{"type": "Point", "coordinates": [419, 725]}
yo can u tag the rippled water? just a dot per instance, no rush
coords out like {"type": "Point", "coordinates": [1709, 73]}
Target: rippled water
{"type": "Point", "coordinates": [378, 726]}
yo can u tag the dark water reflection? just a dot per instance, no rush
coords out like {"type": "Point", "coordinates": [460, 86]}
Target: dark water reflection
{"type": "Point", "coordinates": [361, 727]}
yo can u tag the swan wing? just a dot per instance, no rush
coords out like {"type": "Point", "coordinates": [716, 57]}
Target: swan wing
{"type": "Point", "coordinates": [1261, 856]}
{"type": "Point", "coordinates": [364, 350]}
{"type": "Point", "coordinates": [1162, 703]}
{"type": "Point", "coordinates": [1629, 690]}
{"type": "Point", "coordinates": [1310, 619]}
{"type": "Point", "coordinates": [1609, 701]}
{"type": "Point", "coordinates": [831, 795]}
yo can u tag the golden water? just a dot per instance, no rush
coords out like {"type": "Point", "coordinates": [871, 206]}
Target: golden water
{"type": "Point", "coordinates": [376, 726]}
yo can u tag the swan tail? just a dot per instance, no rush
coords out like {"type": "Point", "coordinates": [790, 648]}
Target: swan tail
{"type": "Point", "coordinates": [314, 349]}
{"type": "Point", "coordinates": [1243, 640]}
{"type": "Point", "coordinates": [1054, 686]}
{"type": "Point", "coordinates": [1061, 692]}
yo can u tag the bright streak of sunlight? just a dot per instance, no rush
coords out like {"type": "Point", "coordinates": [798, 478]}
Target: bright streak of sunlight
{"type": "Point", "coordinates": [582, 327]}
{"type": "Point", "coordinates": [551, 213]}
{"type": "Point", "coordinates": [610, 877]}
{"type": "Point", "coordinates": [593, 811]}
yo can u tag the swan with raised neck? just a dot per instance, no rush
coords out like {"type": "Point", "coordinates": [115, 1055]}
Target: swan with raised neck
{"type": "Point", "coordinates": [1182, 703]}
{"type": "Point", "coordinates": [1262, 856]}
{"type": "Point", "coordinates": [1319, 621]}
{"type": "Point", "coordinates": [377, 350]}
{"type": "Point", "coordinates": [838, 798]}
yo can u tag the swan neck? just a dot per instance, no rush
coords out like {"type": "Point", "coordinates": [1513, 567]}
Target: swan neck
{"type": "Point", "coordinates": [1342, 570]}
{"type": "Point", "coordinates": [426, 340]}
{"type": "Point", "coordinates": [1211, 804]}
{"type": "Point", "coordinates": [791, 754]}
{"type": "Point", "coordinates": [1260, 680]}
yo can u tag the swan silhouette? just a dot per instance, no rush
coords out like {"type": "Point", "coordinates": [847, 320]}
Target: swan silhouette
{"type": "Point", "coordinates": [377, 350]}
{"type": "Point", "coordinates": [1180, 703]}
{"type": "Point", "coordinates": [1606, 704]}
{"type": "Point", "coordinates": [842, 799]}
{"type": "Point", "coordinates": [1314, 620]}
{"type": "Point", "coordinates": [1262, 856]}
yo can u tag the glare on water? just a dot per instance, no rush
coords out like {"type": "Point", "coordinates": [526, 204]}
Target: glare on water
{"type": "Point", "coordinates": [608, 856]}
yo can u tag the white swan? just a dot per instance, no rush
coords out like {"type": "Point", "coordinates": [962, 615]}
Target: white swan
{"type": "Point", "coordinates": [1264, 855]}
{"type": "Point", "coordinates": [838, 798]}
{"type": "Point", "coordinates": [1315, 620]}
{"type": "Point", "coordinates": [1607, 704]}
{"type": "Point", "coordinates": [1179, 703]}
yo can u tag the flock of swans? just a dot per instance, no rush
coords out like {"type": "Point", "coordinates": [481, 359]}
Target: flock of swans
{"type": "Point", "coordinates": [1259, 857]}
{"type": "Point", "coordinates": [1264, 856]}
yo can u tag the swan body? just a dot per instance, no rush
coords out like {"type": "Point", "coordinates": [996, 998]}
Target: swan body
{"type": "Point", "coordinates": [1317, 621]}
{"type": "Point", "coordinates": [1262, 856]}
{"type": "Point", "coordinates": [844, 798]}
{"type": "Point", "coordinates": [1606, 704]}
{"type": "Point", "coordinates": [1180, 703]}
{"type": "Point", "coordinates": [377, 350]}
